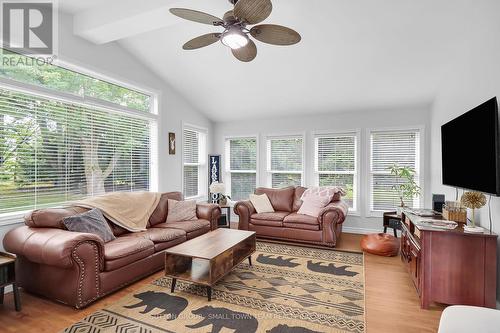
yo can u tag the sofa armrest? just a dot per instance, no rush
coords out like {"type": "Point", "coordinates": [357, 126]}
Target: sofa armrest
{"type": "Point", "coordinates": [53, 247]}
{"type": "Point", "coordinates": [210, 212]}
{"type": "Point", "coordinates": [334, 213]}
{"type": "Point", "coordinates": [244, 209]}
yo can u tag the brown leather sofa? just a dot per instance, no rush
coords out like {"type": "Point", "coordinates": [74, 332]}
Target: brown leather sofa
{"type": "Point", "coordinates": [285, 224]}
{"type": "Point", "coordinates": [78, 268]}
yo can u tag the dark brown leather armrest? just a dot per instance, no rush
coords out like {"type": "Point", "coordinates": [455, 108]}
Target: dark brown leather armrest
{"type": "Point", "coordinates": [210, 212]}
{"type": "Point", "coordinates": [50, 246]}
{"type": "Point", "coordinates": [244, 209]}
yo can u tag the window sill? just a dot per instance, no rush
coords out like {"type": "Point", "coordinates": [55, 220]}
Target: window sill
{"type": "Point", "coordinates": [12, 218]}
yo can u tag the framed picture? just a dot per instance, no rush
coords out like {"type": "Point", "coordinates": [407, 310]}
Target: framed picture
{"type": "Point", "coordinates": [214, 174]}
{"type": "Point", "coordinates": [171, 143]}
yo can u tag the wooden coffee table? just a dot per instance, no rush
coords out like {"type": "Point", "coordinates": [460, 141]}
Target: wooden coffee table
{"type": "Point", "coordinates": [208, 258]}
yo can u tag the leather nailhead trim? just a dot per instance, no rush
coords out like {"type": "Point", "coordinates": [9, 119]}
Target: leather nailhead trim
{"type": "Point", "coordinates": [80, 303]}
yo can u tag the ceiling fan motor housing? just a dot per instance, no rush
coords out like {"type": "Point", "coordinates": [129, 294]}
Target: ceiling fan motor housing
{"type": "Point", "coordinates": [233, 1]}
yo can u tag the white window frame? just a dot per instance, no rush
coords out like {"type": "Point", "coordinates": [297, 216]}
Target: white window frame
{"type": "Point", "coordinates": [269, 172]}
{"type": "Point", "coordinates": [369, 175]}
{"type": "Point", "coordinates": [356, 210]}
{"type": "Point", "coordinates": [227, 161]}
{"type": "Point", "coordinates": [47, 93]}
{"type": "Point", "coordinates": [202, 165]}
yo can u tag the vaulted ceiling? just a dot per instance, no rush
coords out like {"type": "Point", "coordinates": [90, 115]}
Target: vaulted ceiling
{"type": "Point", "coordinates": [354, 55]}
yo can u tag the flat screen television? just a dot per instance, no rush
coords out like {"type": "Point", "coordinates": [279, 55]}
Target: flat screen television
{"type": "Point", "coordinates": [470, 149]}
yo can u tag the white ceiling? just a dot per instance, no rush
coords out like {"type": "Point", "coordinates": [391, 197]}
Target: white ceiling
{"type": "Point", "coordinates": [354, 54]}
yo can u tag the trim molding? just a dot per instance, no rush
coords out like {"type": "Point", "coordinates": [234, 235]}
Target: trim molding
{"type": "Point", "coordinates": [362, 231]}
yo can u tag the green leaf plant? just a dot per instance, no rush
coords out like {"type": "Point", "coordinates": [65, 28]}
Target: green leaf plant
{"type": "Point", "coordinates": [406, 187]}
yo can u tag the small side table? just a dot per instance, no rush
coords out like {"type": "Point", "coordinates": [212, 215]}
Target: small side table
{"type": "Point", "coordinates": [8, 277]}
{"type": "Point", "coordinates": [227, 215]}
{"type": "Point", "coordinates": [392, 220]}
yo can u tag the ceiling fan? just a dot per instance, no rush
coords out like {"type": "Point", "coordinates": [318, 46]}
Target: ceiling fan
{"type": "Point", "coordinates": [236, 34]}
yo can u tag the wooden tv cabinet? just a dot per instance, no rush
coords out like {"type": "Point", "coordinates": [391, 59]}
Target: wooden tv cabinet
{"type": "Point", "coordinates": [449, 266]}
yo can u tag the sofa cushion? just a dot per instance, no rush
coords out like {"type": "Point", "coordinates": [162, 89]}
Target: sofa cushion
{"type": "Point", "coordinates": [181, 210]}
{"type": "Point", "coordinates": [297, 201]}
{"type": "Point", "coordinates": [91, 222]}
{"type": "Point", "coordinates": [159, 235]}
{"type": "Point", "coordinates": [51, 217]}
{"type": "Point", "coordinates": [187, 226]}
{"type": "Point", "coordinates": [302, 226]}
{"type": "Point", "coordinates": [276, 216]}
{"type": "Point", "coordinates": [301, 219]}
{"type": "Point", "coordinates": [160, 213]}
{"type": "Point", "coordinates": [267, 223]}
{"type": "Point", "coordinates": [281, 199]}
{"type": "Point", "coordinates": [126, 250]}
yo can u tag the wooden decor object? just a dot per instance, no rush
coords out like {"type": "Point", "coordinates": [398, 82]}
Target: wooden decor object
{"type": "Point", "coordinates": [449, 266]}
{"type": "Point", "coordinates": [457, 216]}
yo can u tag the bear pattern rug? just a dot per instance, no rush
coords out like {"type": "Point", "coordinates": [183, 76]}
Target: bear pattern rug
{"type": "Point", "coordinates": [288, 289]}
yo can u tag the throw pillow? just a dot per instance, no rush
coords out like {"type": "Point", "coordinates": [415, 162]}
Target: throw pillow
{"type": "Point", "coordinates": [181, 210]}
{"type": "Point", "coordinates": [261, 203]}
{"type": "Point", "coordinates": [313, 204]}
{"type": "Point", "coordinates": [92, 222]}
{"type": "Point", "coordinates": [332, 192]}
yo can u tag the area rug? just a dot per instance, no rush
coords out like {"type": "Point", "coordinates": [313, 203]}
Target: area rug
{"type": "Point", "coordinates": [288, 289]}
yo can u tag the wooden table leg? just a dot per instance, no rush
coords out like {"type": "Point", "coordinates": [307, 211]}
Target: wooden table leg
{"type": "Point", "coordinates": [1, 295]}
{"type": "Point", "coordinates": [229, 217]}
{"type": "Point", "coordinates": [250, 260]}
{"type": "Point", "coordinates": [17, 297]}
{"type": "Point", "coordinates": [209, 293]}
{"type": "Point", "coordinates": [172, 288]}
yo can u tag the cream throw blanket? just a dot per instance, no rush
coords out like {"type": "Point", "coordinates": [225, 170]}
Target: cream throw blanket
{"type": "Point", "coordinates": [129, 210]}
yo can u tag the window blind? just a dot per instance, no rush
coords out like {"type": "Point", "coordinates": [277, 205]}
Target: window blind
{"type": "Point", "coordinates": [241, 168]}
{"type": "Point", "coordinates": [53, 151]}
{"type": "Point", "coordinates": [285, 165]}
{"type": "Point", "coordinates": [386, 149]}
{"type": "Point", "coordinates": [194, 161]}
{"type": "Point", "coordinates": [335, 163]}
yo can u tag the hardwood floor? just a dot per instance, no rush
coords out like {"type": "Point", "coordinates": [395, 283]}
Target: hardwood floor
{"type": "Point", "coordinates": [392, 304]}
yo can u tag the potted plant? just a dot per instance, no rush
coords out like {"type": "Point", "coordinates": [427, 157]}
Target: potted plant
{"type": "Point", "coordinates": [406, 187]}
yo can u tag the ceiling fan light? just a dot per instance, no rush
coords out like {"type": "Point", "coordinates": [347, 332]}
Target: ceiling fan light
{"type": "Point", "coordinates": [234, 38]}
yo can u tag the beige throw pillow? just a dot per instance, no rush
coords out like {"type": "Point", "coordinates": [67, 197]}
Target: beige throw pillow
{"type": "Point", "coordinates": [181, 210]}
{"type": "Point", "coordinates": [261, 203]}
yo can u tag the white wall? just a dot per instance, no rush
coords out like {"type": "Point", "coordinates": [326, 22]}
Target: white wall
{"type": "Point", "coordinates": [115, 62]}
{"type": "Point", "coordinates": [407, 116]}
{"type": "Point", "coordinates": [472, 78]}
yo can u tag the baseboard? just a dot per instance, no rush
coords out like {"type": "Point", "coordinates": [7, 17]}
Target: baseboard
{"type": "Point", "coordinates": [362, 231]}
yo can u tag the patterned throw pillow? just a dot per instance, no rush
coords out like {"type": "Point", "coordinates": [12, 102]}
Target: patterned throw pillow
{"type": "Point", "coordinates": [92, 222]}
{"type": "Point", "coordinates": [261, 203]}
{"type": "Point", "coordinates": [324, 191]}
{"type": "Point", "coordinates": [313, 204]}
{"type": "Point", "coordinates": [181, 210]}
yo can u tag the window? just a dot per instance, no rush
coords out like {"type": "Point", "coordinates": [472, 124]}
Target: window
{"type": "Point", "coordinates": [284, 161]}
{"type": "Point", "coordinates": [23, 69]}
{"type": "Point", "coordinates": [335, 160]}
{"type": "Point", "coordinates": [388, 148]}
{"type": "Point", "coordinates": [54, 149]}
{"type": "Point", "coordinates": [194, 151]}
{"type": "Point", "coordinates": [241, 167]}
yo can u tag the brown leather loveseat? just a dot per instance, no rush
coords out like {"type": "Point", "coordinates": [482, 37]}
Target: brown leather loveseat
{"type": "Point", "coordinates": [286, 224]}
{"type": "Point", "coordinates": [78, 268]}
